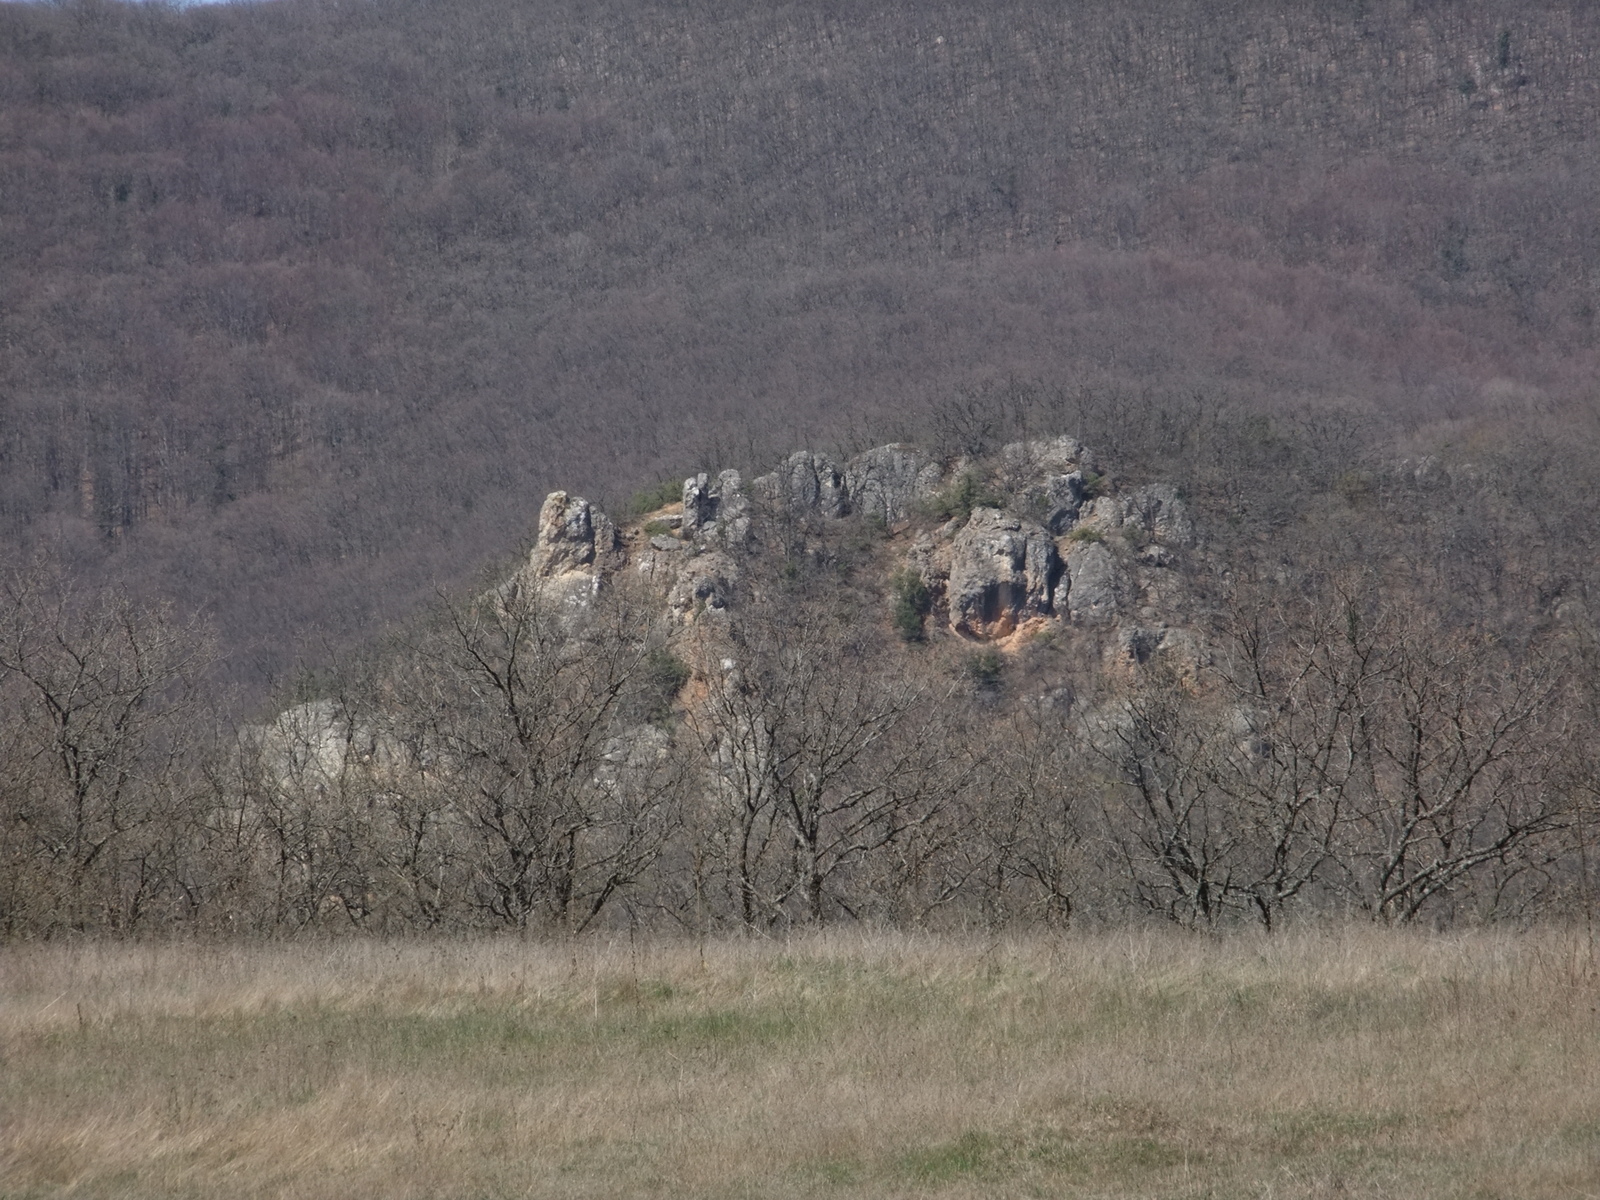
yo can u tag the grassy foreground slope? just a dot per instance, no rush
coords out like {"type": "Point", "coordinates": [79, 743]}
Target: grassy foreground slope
{"type": "Point", "coordinates": [1345, 1062]}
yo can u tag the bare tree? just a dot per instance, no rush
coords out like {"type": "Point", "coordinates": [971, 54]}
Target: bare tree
{"type": "Point", "coordinates": [560, 805]}
{"type": "Point", "coordinates": [1464, 740]}
{"type": "Point", "coordinates": [1286, 755]}
{"type": "Point", "coordinates": [1170, 829]}
{"type": "Point", "coordinates": [98, 772]}
{"type": "Point", "coordinates": [1022, 851]}
{"type": "Point", "coordinates": [310, 789]}
{"type": "Point", "coordinates": [824, 751]}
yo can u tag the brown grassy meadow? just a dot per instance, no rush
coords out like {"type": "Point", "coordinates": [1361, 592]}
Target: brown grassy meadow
{"type": "Point", "coordinates": [1337, 1063]}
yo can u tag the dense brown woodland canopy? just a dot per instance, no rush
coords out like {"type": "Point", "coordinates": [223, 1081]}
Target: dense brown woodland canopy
{"type": "Point", "coordinates": [306, 304]}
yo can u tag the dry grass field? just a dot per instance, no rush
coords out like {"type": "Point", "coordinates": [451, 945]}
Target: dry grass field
{"type": "Point", "coordinates": [1346, 1063]}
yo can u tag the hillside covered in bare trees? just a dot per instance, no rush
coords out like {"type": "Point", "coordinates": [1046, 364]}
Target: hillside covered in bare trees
{"type": "Point", "coordinates": [307, 305]}
{"type": "Point", "coordinates": [1140, 460]}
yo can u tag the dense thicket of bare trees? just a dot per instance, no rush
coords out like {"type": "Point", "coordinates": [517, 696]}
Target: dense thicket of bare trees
{"type": "Point", "coordinates": [521, 762]}
{"type": "Point", "coordinates": [1354, 750]}
{"type": "Point", "coordinates": [103, 807]}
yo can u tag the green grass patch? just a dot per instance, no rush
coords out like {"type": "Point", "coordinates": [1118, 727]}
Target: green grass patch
{"type": "Point", "coordinates": [657, 496]}
{"type": "Point", "coordinates": [968, 1154]}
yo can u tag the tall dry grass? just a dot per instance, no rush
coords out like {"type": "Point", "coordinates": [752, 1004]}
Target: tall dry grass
{"type": "Point", "coordinates": [1342, 1062]}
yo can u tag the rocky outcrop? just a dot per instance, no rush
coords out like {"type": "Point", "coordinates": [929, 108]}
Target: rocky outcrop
{"type": "Point", "coordinates": [1158, 512]}
{"type": "Point", "coordinates": [1095, 584]}
{"type": "Point", "coordinates": [1086, 554]}
{"type": "Point", "coordinates": [1177, 648]}
{"type": "Point", "coordinates": [1044, 457]}
{"type": "Point", "coordinates": [574, 546]}
{"type": "Point", "coordinates": [807, 483]}
{"type": "Point", "coordinates": [702, 583]}
{"type": "Point", "coordinates": [887, 484]}
{"type": "Point", "coordinates": [310, 746]}
{"type": "Point", "coordinates": [1062, 497]}
{"type": "Point", "coordinates": [715, 508]}
{"type": "Point", "coordinates": [1003, 572]}
{"type": "Point", "coordinates": [572, 535]}
{"type": "Point", "coordinates": [1048, 477]}
{"type": "Point", "coordinates": [1152, 513]}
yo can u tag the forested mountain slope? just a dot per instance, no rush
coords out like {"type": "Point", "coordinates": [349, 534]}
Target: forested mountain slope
{"type": "Point", "coordinates": [305, 305]}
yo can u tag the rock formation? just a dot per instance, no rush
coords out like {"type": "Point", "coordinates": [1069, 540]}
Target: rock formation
{"type": "Point", "coordinates": [808, 483]}
{"type": "Point", "coordinates": [574, 546]}
{"type": "Point", "coordinates": [715, 508]}
{"type": "Point", "coordinates": [1003, 572]}
{"type": "Point", "coordinates": [572, 536]}
{"type": "Point", "coordinates": [1047, 541]}
{"type": "Point", "coordinates": [886, 484]}
{"type": "Point", "coordinates": [1095, 587]}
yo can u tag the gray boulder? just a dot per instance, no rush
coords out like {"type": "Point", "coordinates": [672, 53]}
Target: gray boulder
{"type": "Point", "coordinates": [572, 535]}
{"type": "Point", "coordinates": [1095, 584]}
{"type": "Point", "coordinates": [808, 483]}
{"type": "Point", "coordinates": [715, 506]}
{"type": "Point", "coordinates": [888, 481]}
{"type": "Point", "coordinates": [1003, 571]}
{"type": "Point", "coordinates": [1158, 510]}
{"type": "Point", "coordinates": [703, 584]}
{"type": "Point", "coordinates": [1062, 500]}
{"type": "Point", "coordinates": [1043, 456]}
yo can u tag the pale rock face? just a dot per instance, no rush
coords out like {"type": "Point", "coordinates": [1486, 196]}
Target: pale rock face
{"type": "Point", "coordinates": [715, 507]}
{"type": "Point", "coordinates": [1095, 584]}
{"type": "Point", "coordinates": [699, 506]}
{"type": "Point", "coordinates": [1003, 571]}
{"type": "Point", "coordinates": [569, 593]}
{"type": "Point", "coordinates": [923, 557]}
{"type": "Point", "coordinates": [930, 560]}
{"type": "Point", "coordinates": [1184, 650]}
{"type": "Point", "coordinates": [1158, 510]}
{"type": "Point", "coordinates": [887, 482]}
{"type": "Point", "coordinates": [635, 749]}
{"type": "Point", "coordinates": [1177, 650]}
{"type": "Point", "coordinates": [1155, 555]}
{"type": "Point", "coordinates": [311, 746]}
{"type": "Point", "coordinates": [808, 483]}
{"type": "Point", "coordinates": [1046, 456]}
{"type": "Point", "coordinates": [1047, 475]}
{"type": "Point", "coordinates": [574, 545]}
{"type": "Point", "coordinates": [1104, 515]}
{"type": "Point", "coordinates": [572, 536]}
{"type": "Point", "coordinates": [1139, 644]}
{"type": "Point", "coordinates": [1063, 500]}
